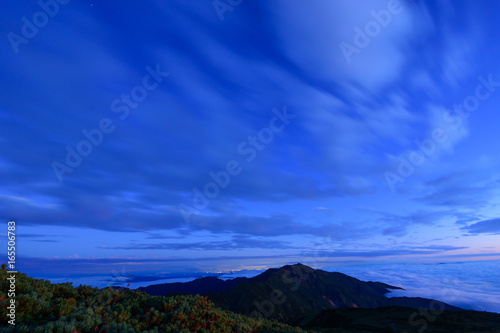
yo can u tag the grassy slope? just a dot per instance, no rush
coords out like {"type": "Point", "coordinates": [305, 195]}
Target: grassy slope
{"type": "Point", "coordinates": [42, 306]}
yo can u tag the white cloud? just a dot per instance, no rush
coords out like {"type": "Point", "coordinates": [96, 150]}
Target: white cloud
{"type": "Point", "coordinates": [311, 34]}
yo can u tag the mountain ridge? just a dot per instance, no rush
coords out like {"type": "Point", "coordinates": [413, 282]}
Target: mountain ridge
{"type": "Point", "coordinates": [293, 290]}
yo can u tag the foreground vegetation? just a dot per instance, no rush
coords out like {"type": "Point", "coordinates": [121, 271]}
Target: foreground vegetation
{"type": "Point", "coordinates": [42, 306]}
{"type": "Point", "coordinates": [400, 319]}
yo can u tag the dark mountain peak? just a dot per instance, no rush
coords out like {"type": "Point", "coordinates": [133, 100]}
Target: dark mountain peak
{"type": "Point", "coordinates": [287, 292]}
{"type": "Point", "coordinates": [302, 269]}
{"type": "Point", "coordinates": [296, 271]}
{"type": "Point", "coordinates": [297, 268]}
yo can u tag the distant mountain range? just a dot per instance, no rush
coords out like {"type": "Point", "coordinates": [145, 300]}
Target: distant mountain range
{"type": "Point", "coordinates": [292, 291]}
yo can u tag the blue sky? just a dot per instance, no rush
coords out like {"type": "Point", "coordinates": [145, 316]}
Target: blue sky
{"type": "Point", "coordinates": [167, 136]}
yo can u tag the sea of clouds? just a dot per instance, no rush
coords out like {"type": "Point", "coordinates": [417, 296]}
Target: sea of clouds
{"type": "Point", "coordinates": [473, 285]}
{"type": "Point", "coordinates": [470, 285]}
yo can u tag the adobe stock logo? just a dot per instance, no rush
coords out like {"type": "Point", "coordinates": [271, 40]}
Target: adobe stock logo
{"type": "Point", "coordinates": [40, 19]}
{"type": "Point", "coordinates": [372, 29]}
{"type": "Point", "coordinates": [248, 148]}
{"type": "Point", "coordinates": [439, 136]}
{"type": "Point", "coordinates": [95, 136]}
{"type": "Point", "coordinates": [222, 6]}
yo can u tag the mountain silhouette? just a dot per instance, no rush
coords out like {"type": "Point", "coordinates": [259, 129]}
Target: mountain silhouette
{"type": "Point", "coordinates": [292, 291]}
{"type": "Point", "coordinates": [199, 286]}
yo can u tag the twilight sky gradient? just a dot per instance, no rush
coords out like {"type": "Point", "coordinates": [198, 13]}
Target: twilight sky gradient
{"type": "Point", "coordinates": [162, 136]}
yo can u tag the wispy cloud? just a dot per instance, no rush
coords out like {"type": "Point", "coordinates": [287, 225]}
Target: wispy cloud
{"type": "Point", "coordinates": [491, 226]}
